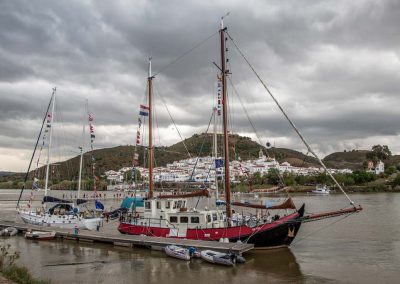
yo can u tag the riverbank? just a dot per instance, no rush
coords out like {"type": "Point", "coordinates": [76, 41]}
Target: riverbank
{"type": "Point", "coordinates": [19, 275]}
{"type": "Point", "coordinates": [4, 280]}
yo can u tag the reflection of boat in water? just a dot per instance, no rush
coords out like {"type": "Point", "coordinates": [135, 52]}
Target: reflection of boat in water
{"type": "Point", "coordinates": [277, 265]}
{"type": "Point", "coordinates": [321, 189]}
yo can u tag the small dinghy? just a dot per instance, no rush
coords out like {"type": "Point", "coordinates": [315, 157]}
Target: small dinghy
{"type": "Point", "coordinates": [227, 259]}
{"type": "Point", "coordinates": [10, 231]}
{"type": "Point", "coordinates": [40, 235]}
{"type": "Point", "coordinates": [177, 252]}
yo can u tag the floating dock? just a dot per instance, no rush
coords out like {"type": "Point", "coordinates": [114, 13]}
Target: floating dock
{"type": "Point", "coordinates": [131, 240]}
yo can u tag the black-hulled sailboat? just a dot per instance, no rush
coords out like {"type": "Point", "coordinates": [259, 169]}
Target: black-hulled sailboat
{"type": "Point", "coordinates": [168, 216]}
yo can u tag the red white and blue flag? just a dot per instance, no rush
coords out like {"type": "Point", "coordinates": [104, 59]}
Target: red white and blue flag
{"type": "Point", "coordinates": [144, 110]}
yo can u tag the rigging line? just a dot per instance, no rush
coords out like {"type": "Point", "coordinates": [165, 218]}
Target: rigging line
{"type": "Point", "coordinates": [252, 125]}
{"type": "Point", "coordinates": [321, 228]}
{"type": "Point", "coordinates": [185, 53]}
{"type": "Point", "coordinates": [245, 110]}
{"type": "Point", "coordinates": [173, 121]}
{"type": "Point", "coordinates": [34, 150]}
{"type": "Point", "coordinates": [290, 121]}
{"type": "Point", "coordinates": [202, 144]}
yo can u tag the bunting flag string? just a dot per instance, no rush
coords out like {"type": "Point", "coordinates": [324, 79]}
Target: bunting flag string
{"type": "Point", "coordinates": [136, 159]}
{"type": "Point", "coordinates": [91, 129]}
{"type": "Point", "coordinates": [219, 96]}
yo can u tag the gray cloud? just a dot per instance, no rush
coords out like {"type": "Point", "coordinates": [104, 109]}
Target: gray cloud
{"type": "Point", "coordinates": [333, 65]}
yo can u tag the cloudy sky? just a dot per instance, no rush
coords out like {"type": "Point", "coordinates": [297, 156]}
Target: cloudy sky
{"type": "Point", "coordinates": [333, 65]}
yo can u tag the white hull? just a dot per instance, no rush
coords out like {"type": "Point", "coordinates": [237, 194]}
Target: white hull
{"type": "Point", "coordinates": [217, 257]}
{"type": "Point", "coordinates": [321, 189]}
{"type": "Point", "coordinates": [59, 221]}
{"type": "Point", "coordinates": [177, 252]}
{"type": "Point", "coordinates": [38, 235]}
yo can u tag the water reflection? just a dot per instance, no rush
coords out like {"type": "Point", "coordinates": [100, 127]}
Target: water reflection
{"type": "Point", "coordinates": [68, 261]}
{"type": "Point", "coordinates": [363, 248]}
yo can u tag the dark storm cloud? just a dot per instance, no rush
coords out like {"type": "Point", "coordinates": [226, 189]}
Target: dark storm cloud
{"type": "Point", "coordinates": [332, 64]}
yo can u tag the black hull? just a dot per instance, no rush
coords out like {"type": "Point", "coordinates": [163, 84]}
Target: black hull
{"type": "Point", "coordinates": [279, 236]}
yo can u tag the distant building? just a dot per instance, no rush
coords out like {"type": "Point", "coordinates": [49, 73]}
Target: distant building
{"type": "Point", "coordinates": [379, 167]}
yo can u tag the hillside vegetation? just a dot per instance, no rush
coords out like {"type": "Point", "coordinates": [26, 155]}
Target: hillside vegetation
{"type": "Point", "coordinates": [350, 159]}
{"type": "Point", "coordinates": [198, 145]}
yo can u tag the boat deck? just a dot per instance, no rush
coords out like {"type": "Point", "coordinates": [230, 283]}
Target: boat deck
{"type": "Point", "coordinates": [130, 240]}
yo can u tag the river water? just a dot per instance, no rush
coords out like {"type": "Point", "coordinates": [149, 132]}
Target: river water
{"type": "Point", "coordinates": [361, 248]}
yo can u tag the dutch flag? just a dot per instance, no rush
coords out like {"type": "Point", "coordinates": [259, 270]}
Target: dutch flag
{"type": "Point", "coordinates": [144, 110]}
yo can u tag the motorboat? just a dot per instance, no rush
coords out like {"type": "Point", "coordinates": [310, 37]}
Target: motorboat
{"type": "Point", "coordinates": [321, 189]}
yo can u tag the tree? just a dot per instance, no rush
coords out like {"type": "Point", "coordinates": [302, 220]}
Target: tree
{"type": "Point", "coordinates": [390, 170]}
{"type": "Point", "coordinates": [127, 175]}
{"type": "Point", "coordinates": [257, 178]}
{"type": "Point", "coordinates": [396, 181]}
{"type": "Point", "coordinates": [273, 177]}
{"type": "Point", "coordinates": [379, 152]}
{"type": "Point", "coordinates": [288, 179]}
{"type": "Point", "coordinates": [322, 178]}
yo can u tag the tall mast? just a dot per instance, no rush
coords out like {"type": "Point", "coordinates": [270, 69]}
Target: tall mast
{"type": "Point", "coordinates": [225, 124]}
{"type": "Point", "coordinates": [150, 82]}
{"type": "Point", "coordinates": [81, 148]}
{"type": "Point", "coordinates": [49, 146]}
{"type": "Point", "coordinates": [215, 152]}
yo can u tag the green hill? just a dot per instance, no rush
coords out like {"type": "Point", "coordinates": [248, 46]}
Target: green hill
{"type": "Point", "coordinates": [198, 145]}
{"type": "Point", "coordinates": [350, 159]}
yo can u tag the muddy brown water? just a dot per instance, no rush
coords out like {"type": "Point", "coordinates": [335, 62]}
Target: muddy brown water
{"type": "Point", "coordinates": [361, 248]}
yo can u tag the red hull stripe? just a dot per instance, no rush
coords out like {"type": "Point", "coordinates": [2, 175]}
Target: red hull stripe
{"type": "Point", "coordinates": [204, 234]}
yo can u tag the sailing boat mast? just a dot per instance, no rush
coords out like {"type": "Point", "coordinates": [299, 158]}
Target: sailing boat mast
{"type": "Point", "coordinates": [49, 146]}
{"type": "Point", "coordinates": [81, 148]}
{"type": "Point", "coordinates": [150, 82]}
{"type": "Point", "coordinates": [225, 124]}
{"type": "Point", "coordinates": [215, 153]}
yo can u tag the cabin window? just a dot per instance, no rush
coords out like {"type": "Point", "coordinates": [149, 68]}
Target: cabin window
{"type": "Point", "coordinates": [195, 220]}
{"type": "Point", "coordinates": [175, 204]}
{"type": "Point", "coordinates": [214, 215]}
{"type": "Point", "coordinates": [179, 204]}
{"type": "Point", "coordinates": [158, 205]}
{"type": "Point", "coordinates": [184, 219]}
{"type": "Point", "coordinates": [208, 218]}
{"type": "Point", "coordinates": [173, 219]}
{"type": "Point", "coordinates": [168, 205]}
{"type": "Point", "coordinates": [147, 205]}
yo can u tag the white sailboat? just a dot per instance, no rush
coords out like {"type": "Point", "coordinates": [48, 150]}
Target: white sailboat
{"type": "Point", "coordinates": [56, 212]}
